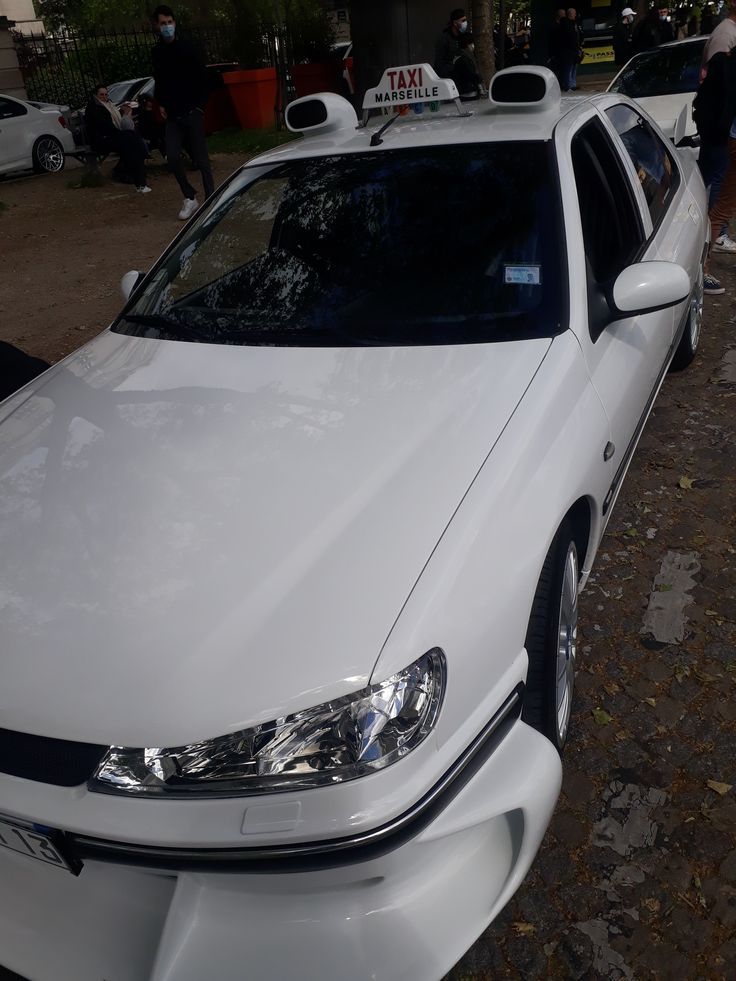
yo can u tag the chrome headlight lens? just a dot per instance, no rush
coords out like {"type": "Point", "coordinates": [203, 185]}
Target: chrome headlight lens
{"type": "Point", "coordinates": [329, 744]}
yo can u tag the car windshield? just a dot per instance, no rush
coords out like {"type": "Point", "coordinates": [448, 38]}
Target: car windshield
{"type": "Point", "coordinates": [663, 71]}
{"type": "Point", "coordinates": [435, 245]}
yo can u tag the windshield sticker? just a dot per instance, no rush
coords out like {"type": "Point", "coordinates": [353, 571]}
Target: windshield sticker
{"type": "Point", "coordinates": [522, 275]}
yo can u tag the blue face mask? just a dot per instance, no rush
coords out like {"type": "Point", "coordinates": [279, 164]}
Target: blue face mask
{"type": "Point", "coordinates": [462, 27]}
{"type": "Point", "coordinates": [167, 31]}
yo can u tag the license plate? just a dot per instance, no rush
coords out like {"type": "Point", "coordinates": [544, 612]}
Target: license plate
{"type": "Point", "coordinates": [45, 845]}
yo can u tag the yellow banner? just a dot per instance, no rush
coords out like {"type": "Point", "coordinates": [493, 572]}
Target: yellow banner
{"type": "Point", "coordinates": [597, 55]}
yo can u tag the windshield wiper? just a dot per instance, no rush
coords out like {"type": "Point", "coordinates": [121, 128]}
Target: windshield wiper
{"type": "Point", "coordinates": [168, 324]}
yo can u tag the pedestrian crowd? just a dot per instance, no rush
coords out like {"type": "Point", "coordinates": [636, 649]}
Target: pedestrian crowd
{"type": "Point", "coordinates": [180, 94]}
{"type": "Point", "coordinates": [714, 112]}
{"type": "Point", "coordinates": [565, 47]}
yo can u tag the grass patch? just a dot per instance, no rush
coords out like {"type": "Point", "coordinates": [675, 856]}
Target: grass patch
{"type": "Point", "coordinates": [248, 142]}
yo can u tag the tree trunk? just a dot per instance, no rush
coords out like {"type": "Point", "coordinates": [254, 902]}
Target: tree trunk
{"type": "Point", "coordinates": [482, 23]}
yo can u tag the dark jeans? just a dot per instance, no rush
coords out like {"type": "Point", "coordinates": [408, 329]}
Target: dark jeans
{"type": "Point", "coordinates": [188, 131]}
{"type": "Point", "coordinates": [132, 152]}
{"type": "Point", "coordinates": [712, 161]}
{"type": "Point", "coordinates": [724, 208]}
{"type": "Point", "coordinates": [567, 70]}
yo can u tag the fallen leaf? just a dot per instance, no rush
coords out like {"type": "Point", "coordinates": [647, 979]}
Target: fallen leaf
{"type": "Point", "coordinates": [611, 687]}
{"type": "Point", "coordinates": [623, 736]}
{"type": "Point", "coordinates": [651, 701]}
{"type": "Point", "coordinates": [601, 717]}
{"type": "Point", "coordinates": [664, 587]}
{"type": "Point", "coordinates": [685, 482]}
{"type": "Point", "coordinates": [652, 905]}
{"type": "Point", "coordinates": [524, 929]}
{"type": "Point", "coordinates": [631, 533]}
{"type": "Point", "coordinates": [720, 788]}
{"type": "Point", "coordinates": [699, 540]}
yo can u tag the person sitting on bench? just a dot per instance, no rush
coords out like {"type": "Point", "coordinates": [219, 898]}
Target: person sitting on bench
{"type": "Point", "coordinates": [111, 131]}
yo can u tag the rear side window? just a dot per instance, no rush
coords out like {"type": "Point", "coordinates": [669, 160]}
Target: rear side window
{"type": "Point", "coordinates": [664, 71]}
{"type": "Point", "coordinates": [653, 163]}
{"type": "Point", "coordinates": [9, 109]}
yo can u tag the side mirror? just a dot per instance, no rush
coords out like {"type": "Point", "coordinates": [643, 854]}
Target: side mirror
{"type": "Point", "coordinates": [129, 282]}
{"type": "Point", "coordinates": [648, 286]}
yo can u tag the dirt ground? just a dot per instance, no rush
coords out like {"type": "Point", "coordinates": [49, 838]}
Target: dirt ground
{"type": "Point", "coordinates": [63, 251]}
{"type": "Point", "coordinates": [636, 877]}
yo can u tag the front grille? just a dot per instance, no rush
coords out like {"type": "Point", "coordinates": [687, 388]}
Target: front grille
{"type": "Point", "coordinates": [56, 761]}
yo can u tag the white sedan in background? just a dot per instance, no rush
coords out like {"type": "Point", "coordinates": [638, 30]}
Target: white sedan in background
{"type": "Point", "coordinates": [32, 137]}
{"type": "Point", "coordinates": [664, 82]}
{"type": "Point", "coordinates": [291, 553]}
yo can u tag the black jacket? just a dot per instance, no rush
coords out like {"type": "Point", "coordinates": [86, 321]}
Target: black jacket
{"type": "Point", "coordinates": [181, 77]}
{"type": "Point", "coordinates": [714, 107]}
{"type": "Point", "coordinates": [101, 130]}
{"type": "Point", "coordinates": [445, 53]}
{"type": "Point", "coordinates": [569, 39]}
{"type": "Point", "coordinates": [623, 44]}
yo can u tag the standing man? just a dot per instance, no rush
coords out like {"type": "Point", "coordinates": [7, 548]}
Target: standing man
{"type": "Point", "coordinates": [553, 45]}
{"type": "Point", "coordinates": [448, 44]}
{"type": "Point", "coordinates": [623, 40]}
{"type": "Point", "coordinates": [723, 37]}
{"type": "Point", "coordinates": [181, 91]}
{"type": "Point", "coordinates": [569, 50]}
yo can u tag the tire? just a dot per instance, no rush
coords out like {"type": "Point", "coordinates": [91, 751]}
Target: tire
{"type": "Point", "coordinates": [688, 346]}
{"type": "Point", "coordinates": [551, 641]}
{"type": "Point", "coordinates": [48, 155]}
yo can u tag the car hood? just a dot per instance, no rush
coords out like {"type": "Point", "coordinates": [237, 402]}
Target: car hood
{"type": "Point", "coordinates": [196, 538]}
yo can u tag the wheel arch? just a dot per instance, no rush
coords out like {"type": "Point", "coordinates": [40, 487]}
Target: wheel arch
{"type": "Point", "coordinates": [580, 517]}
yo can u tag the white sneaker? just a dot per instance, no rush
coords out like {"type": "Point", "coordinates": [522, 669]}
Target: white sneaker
{"type": "Point", "coordinates": [190, 206]}
{"type": "Point", "coordinates": [144, 190]}
{"type": "Point", "coordinates": [724, 244]}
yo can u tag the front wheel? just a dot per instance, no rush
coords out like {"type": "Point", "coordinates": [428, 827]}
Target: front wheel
{"type": "Point", "coordinates": [551, 642]}
{"type": "Point", "coordinates": [690, 339]}
{"type": "Point", "coordinates": [48, 155]}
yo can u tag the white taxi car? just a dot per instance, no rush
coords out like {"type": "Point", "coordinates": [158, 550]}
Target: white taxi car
{"type": "Point", "coordinates": [291, 553]}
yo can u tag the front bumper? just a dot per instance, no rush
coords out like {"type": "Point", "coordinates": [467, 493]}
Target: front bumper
{"type": "Point", "coordinates": [406, 915]}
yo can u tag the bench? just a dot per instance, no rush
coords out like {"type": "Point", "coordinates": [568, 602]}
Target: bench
{"type": "Point", "coordinates": [87, 156]}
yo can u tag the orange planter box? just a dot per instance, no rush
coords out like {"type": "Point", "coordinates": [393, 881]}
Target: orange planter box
{"type": "Point", "coordinates": [253, 94]}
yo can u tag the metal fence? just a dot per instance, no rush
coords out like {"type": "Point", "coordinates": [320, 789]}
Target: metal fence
{"type": "Point", "coordinates": [64, 66]}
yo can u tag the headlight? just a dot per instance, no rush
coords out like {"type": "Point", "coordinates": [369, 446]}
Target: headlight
{"type": "Point", "coordinates": [334, 742]}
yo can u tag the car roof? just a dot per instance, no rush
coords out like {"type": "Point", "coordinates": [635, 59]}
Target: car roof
{"type": "Point", "coordinates": [486, 124]}
{"type": "Point", "coordinates": [695, 39]}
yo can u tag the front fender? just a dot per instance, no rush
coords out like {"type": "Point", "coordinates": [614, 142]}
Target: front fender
{"type": "Point", "coordinates": [474, 596]}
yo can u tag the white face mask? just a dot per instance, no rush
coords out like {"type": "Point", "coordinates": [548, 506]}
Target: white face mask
{"type": "Point", "coordinates": [462, 26]}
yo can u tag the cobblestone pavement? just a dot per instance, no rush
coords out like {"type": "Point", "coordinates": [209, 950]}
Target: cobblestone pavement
{"type": "Point", "coordinates": [636, 877]}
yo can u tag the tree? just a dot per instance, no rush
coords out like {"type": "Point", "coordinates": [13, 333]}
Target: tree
{"type": "Point", "coordinates": [482, 11]}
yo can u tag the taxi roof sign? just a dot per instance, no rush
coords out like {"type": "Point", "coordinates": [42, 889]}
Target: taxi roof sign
{"type": "Point", "coordinates": [409, 84]}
